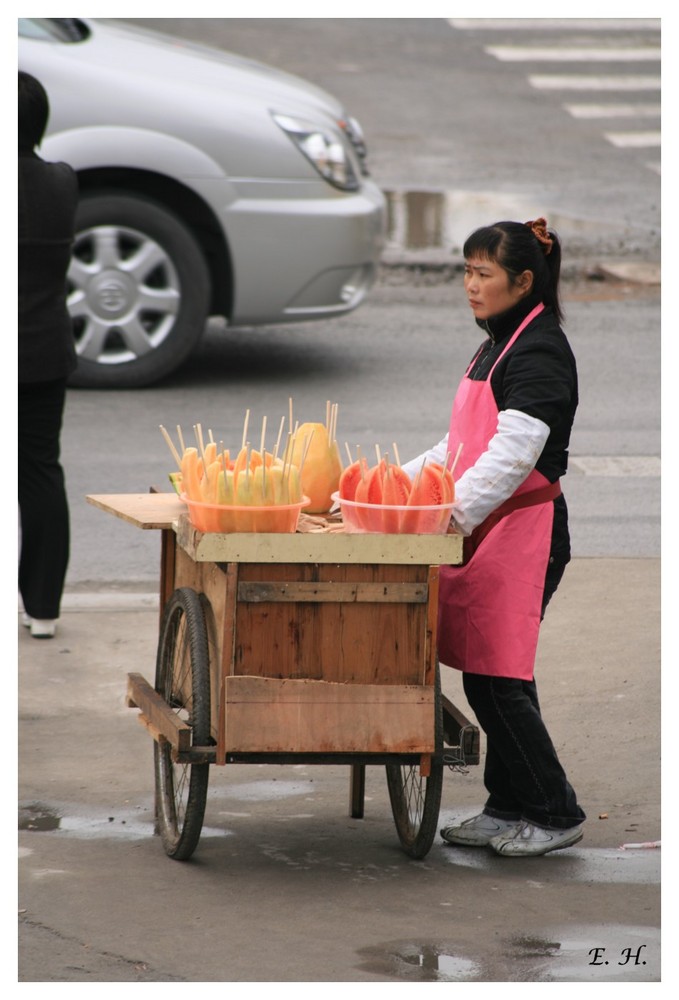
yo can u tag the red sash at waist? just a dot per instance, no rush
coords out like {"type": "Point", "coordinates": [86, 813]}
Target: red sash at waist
{"type": "Point", "coordinates": [542, 495]}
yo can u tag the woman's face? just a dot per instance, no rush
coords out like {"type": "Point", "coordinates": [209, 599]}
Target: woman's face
{"type": "Point", "coordinates": [489, 289]}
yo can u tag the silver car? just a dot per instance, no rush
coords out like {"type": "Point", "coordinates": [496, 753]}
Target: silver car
{"type": "Point", "coordinates": [210, 185]}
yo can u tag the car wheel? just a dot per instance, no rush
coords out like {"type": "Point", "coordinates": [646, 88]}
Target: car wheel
{"type": "Point", "coordinates": [138, 292]}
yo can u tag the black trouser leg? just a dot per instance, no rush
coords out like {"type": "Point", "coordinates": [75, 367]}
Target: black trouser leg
{"type": "Point", "coordinates": [522, 773]}
{"type": "Point", "coordinates": [45, 534]}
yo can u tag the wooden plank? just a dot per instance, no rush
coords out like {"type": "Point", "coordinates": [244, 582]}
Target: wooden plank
{"type": "Point", "coordinates": [272, 715]}
{"type": "Point", "coordinates": [228, 654]}
{"type": "Point", "coordinates": [165, 510]}
{"type": "Point", "coordinates": [350, 642]}
{"type": "Point", "coordinates": [319, 547]}
{"type": "Point", "coordinates": [144, 510]}
{"type": "Point", "coordinates": [157, 712]}
{"type": "Point", "coordinates": [375, 593]}
{"type": "Point", "coordinates": [431, 653]}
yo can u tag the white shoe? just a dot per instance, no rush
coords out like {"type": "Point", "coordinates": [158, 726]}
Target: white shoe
{"type": "Point", "coordinates": [26, 620]}
{"type": "Point", "coordinates": [531, 841]}
{"type": "Point", "coordinates": [479, 830]}
{"type": "Point", "coordinates": [43, 628]}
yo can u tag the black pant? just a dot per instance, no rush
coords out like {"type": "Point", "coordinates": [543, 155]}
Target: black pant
{"type": "Point", "coordinates": [45, 533]}
{"type": "Point", "coordinates": [522, 772]}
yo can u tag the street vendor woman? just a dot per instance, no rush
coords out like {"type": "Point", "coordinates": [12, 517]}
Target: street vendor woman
{"type": "Point", "coordinates": [512, 415]}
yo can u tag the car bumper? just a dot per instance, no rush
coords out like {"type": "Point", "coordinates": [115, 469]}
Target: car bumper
{"type": "Point", "coordinates": [297, 258]}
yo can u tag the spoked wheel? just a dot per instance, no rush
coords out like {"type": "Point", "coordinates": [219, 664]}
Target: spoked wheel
{"type": "Point", "coordinates": [415, 800]}
{"type": "Point", "coordinates": [183, 680]}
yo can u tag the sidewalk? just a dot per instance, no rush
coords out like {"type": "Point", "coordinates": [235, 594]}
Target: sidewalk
{"type": "Point", "coordinates": [284, 885]}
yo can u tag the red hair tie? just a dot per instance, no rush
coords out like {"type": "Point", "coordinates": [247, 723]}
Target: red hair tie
{"type": "Point", "coordinates": [538, 227]}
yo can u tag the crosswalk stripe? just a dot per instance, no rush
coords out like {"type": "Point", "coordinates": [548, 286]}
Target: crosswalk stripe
{"type": "Point", "coordinates": [555, 23]}
{"type": "Point", "coordinates": [579, 82]}
{"type": "Point", "coordinates": [636, 466]}
{"type": "Point", "coordinates": [613, 110]}
{"type": "Point", "coordinates": [511, 53]}
{"type": "Point", "coordinates": [638, 140]}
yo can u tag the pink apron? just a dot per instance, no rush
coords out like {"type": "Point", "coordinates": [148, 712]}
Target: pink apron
{"type": "Point", "coordinates": [489, 608]}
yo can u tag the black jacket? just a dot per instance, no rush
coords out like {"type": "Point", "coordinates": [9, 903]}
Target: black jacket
{"type": "Point", "coordinates": [537, 376]}
{"type": "Point", "coordinates": [48, 196]}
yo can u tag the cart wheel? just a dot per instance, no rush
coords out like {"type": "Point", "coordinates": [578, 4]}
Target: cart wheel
{"type": "Point", "coordinates": [415, 801]}
{"type": "Point", "coordinates": [183, 679]}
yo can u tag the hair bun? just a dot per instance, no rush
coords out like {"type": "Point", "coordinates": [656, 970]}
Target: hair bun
{"type": "Point", "coordinates": [538, 227]}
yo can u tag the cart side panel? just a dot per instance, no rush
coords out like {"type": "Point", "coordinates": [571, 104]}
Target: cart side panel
{"type": "Point", "coordinates": [266, 714]}
{"type": "Point", "coordinates": [208, 579]}
{"type": "Point", "coordinates": [368, 625]}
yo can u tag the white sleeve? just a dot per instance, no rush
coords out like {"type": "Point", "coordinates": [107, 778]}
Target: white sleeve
{"type": "Point", "coordinates": [436, 454]}
{"type": "Point", "coordinates": [511, 456]}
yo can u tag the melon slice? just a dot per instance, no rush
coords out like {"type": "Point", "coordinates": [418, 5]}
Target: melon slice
{"type": "Point", "coordinates": [396, 488]}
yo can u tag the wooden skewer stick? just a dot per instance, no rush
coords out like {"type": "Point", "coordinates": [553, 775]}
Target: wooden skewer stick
{"type": "Point", "coordinates": [278, 439]}
{"type": "Point", "coordinates": [173, 450]}
{"type": "Point", "coordinates": [361, 461]}
{"type": "Point", "coordinates": [290, 412]}
{"type": "Point", "coordinates": [328, 416]}
{"type": "Point", "coordinates": [398, 460]}
{"type": "Point", "coordinates": [181, 439]}
{"type": "Point", "coordinates": [457, 455]}
{"type": "Point", "coordinates": [198, 431]}
{"type": "Point", "coordinates": [245, 427]}
{"type": "Point", "coordinates": [346, 445]}
{"type": "Point", "coordinates": [335, 411]}
{"type": "Point", "coordinates": [307, 442]}
{"type": "Point", "coordinates": [419, 474]}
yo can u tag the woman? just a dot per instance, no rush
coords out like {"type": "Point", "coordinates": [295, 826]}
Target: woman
{"type": "Point", "coordinates": [48, 196]}
{"type": "Point", "coordinates": [512, 416]}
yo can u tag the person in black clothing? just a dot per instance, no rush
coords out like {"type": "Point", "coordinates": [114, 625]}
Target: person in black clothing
{"type": "Point", "coordinates": [510, 429]}
{"type": "Point", "coordinates": [48, 195]}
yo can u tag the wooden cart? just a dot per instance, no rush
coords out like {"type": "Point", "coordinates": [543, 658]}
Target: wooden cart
{"type": "Point", "coordinates": [311, 647]}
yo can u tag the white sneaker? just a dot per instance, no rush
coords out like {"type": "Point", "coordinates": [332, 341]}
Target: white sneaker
{"type": "Point", "coordinates": [43, 628]}
{"type": "Point", "coordinates": [26, 620]}
{"type": "Point", "coordinates": [530, 841]}
{"type": "Point", "coordinates": [479, 830]}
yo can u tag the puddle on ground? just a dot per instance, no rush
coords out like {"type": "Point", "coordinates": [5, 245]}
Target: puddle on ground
{"type": "Point", "coordinates": [586, 864]}
{"type": "Point", "coordinates": [442, 220]}
{"type": "Point", "coordinates": [611, 953]}
{"type": "Point", "coordinates": [37, 817]}
{"type": "Point", "coordinates": [420, 963]}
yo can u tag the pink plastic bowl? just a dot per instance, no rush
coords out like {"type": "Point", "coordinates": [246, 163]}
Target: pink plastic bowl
{"type": "Point", "coordinates": [390, 519]}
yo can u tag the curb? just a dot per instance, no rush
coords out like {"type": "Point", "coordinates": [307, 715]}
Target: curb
{"type": "Point", "coordinates": [636, 272]}
{"type": "Point", "coordinates": [107, 600]}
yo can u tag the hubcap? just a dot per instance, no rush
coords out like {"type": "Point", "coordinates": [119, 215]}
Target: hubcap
{"type": "Point", "coordinates": [124, 294]}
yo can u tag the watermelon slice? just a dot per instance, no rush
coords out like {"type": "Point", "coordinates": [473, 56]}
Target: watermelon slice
{"type": "Point", "coordinates": [396, 488]}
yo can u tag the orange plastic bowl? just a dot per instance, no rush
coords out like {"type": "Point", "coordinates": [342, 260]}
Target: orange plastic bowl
{"type": "Point", "coordinates": [277, 519]}
{"type": "Point", "coordinates": [390, 519]}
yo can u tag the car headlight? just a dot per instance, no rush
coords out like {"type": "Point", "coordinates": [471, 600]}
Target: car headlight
{"type": "Point", "coordinates": [321, 147]}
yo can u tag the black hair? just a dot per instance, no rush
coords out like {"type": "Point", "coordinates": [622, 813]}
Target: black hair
{"type": "Point", "coordinates": [516, 248]}
{"type": "Point", "coordinates": [34, 111]}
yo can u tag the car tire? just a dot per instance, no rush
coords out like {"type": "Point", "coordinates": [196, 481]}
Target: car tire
{"type": "Point", "coordinates": [138, 291]}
